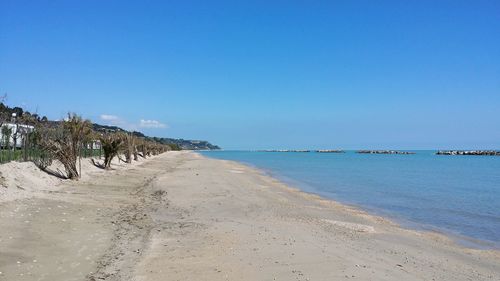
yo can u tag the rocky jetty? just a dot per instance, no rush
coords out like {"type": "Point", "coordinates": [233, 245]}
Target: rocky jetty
{"type": "Point", "coordinates": [469, 152]}
{"type": "Point", "coordinates": [330, 151]}
{"type": "Point", "coordinates": [384, 152]}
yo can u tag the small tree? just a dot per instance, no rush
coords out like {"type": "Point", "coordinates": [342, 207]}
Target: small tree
{"type": "Point", "coordinates": [136, 152]}
{"type": "Point", "coordinates": [65, 141]}
{"type": "Point", "coordinates": [111, 144]}
{"type": "Point", "coordinates": [129, 147]}
{"type": "Point", "coordinates": [143, 148]}
{"type": "Point", "coordinates": [149, 148]}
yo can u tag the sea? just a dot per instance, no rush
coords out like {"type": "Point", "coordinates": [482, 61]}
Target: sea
{"type": "Point", "coordinates": [455, 195]}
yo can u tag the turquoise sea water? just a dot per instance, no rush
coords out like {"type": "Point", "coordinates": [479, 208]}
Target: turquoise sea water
{"type": "Point", "coordinates": [457, 195]}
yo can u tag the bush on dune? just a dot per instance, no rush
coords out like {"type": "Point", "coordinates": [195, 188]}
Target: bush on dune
{"type": "Point", "coordinates": [111, 144]}
{"type": "Point", "coordinates": [64, 142]}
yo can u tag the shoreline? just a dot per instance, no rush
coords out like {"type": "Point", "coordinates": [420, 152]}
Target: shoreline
{"type": "Point", "coordinates": [461, 240]}
{"type": "Point", "coordinates": [182, 215]}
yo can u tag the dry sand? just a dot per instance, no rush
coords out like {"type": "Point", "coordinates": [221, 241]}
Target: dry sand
{"type": "Point", "coordinates": [181, 216]}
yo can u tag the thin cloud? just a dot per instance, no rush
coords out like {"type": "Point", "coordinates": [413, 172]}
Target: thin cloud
{"type": "Point", "coordinates": [114, 120]}
{"type": "Point", "coordinates": [107, 117]}
{"type": "Point", "coordinates": [152, 124]}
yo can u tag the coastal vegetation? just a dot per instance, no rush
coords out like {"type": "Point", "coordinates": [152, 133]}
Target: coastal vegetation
{"type": "Point", "coordinates": [26, 136]}
{"type": "Point", "coordinates": [111, 144]}
{"type": "Point", "coordinates": [74, 138]}
{"type": "Point", "coordinates": [64, 142]}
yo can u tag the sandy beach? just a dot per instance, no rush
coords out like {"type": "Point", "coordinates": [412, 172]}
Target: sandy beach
{"type": "Point", "coordinates": [182, 216]}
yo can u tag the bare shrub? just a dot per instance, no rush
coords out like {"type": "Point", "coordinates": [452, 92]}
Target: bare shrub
{"type": "Point", "coordinates": [143, 148]}
{"type": "Point", "coordinates": [64, 142]}
{"type": "Point", "coordinates": [128, 147]}
{"type": "Point", "coordinates": [111, 144]}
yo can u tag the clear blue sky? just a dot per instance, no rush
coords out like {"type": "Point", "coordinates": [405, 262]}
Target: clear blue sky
{"type": "Point", "coordinates": [263, 74]}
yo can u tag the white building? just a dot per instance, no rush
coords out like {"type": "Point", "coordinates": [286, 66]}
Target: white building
{"type": "Point", "coordinates": [17, 133]}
